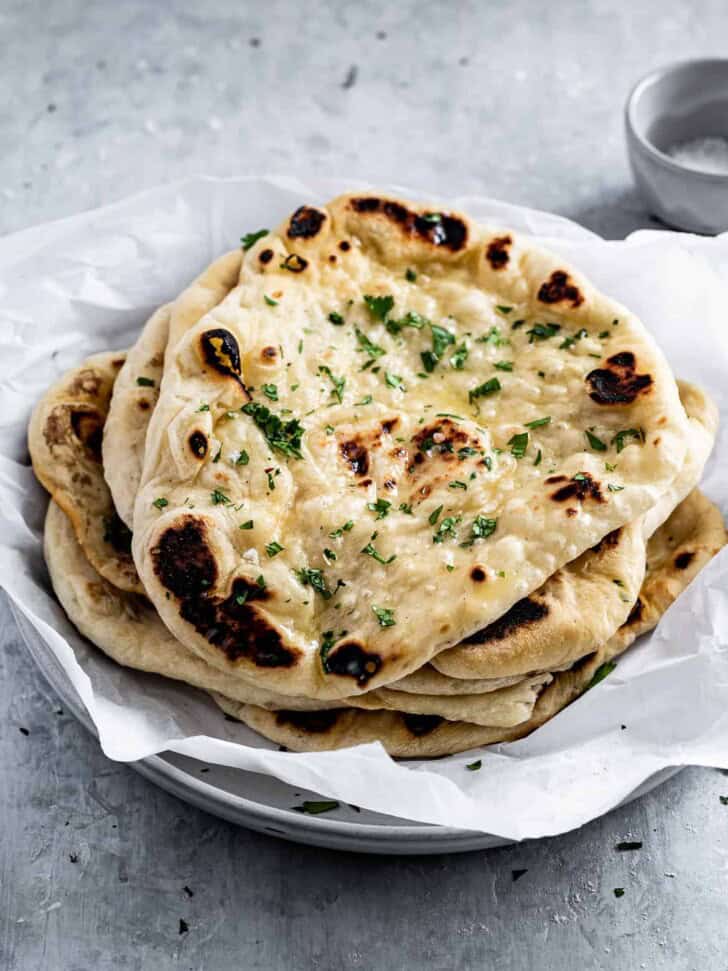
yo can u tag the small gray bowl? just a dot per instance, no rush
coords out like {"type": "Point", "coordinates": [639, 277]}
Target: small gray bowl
{"type": "Point", "coordinates": [678, 103]}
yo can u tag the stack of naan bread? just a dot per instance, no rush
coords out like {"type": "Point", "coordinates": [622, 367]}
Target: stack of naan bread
{"type": "Point", "coordinates": [383, 473]}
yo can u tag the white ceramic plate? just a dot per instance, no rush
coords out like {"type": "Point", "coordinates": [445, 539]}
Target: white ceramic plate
{"type": "Point", "coordinates": [264, 804]}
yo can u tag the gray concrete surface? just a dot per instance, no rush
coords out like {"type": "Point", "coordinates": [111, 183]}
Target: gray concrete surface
{"type": "Point", "coordinates": [521, 100]}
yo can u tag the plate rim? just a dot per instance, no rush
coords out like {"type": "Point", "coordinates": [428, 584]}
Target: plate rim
{"type": "Point", "coordinates": [411, 838]}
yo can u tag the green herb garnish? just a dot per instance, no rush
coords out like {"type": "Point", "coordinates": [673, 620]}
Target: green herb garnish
{"type": "Point", "coordinates": [313, 807]}
{"type": "Point", "coordinates": [538, 422]}
{"type": "Point", "coordinates": [519, 444]}
{"type": "Point", "coordinates": [394, 381]}
{"type": "Point", "coordinates": [385, 616]}
{"type": "Point", "coordinates": [601, 673]}
{"type": "Point", "coordinates": [270, 391]}
{"type": "Point", "coordinates": [372, 349]}
{"type": "Point", "coordinates": [596, 443]}
{"type": "Point", "coordinates": [342, 529]}
{"type": "Point", "coordinates": [542, 332]}
{"type": "Point", "coordinates": [338, 383]}
{"type": "Point", "coordinates": [380, 507]}
{"type": "Point", "coordinates": [447, 529]}
{"type": "Point", "coordinates": [243, 458]}
{"type": "Point", "coordinates": [379, 307]}
{"type": "Point", "coordinates": [219, 498]}
{"type": "Point", "coordinates": [474, 766]}
{"type": "Point", "coordinates": [619, 438]}
{"type": "Point", "coordinates": [273, 549]}
{"type": "Point", "coordinates": [270, 301]}
{"type": "Point", "coordinates": [250, 239]}
{"type": "Point", "coordinates": [161, 502]}
{"type": "Point", "coordinates": [315, 579]}
{"type": "Point", "coordinates": [483, 390]}
{"type": "Point", "coordinates": [458, 359]}
{"type": "Point", "coordinates": [145, 382]}
{"type": "Point", "coordinates": [504, 365]}
{"type": "Point", "coordinates": [282, 436]}
{"type": "Point", "coordinates": [434, 516]}
{"type": "Point", "coordinates": [410, 275]}
{"type": "Point", "coordinates": [247, 525]}
{"type": "Point", "coordinates": [336, 319]}
{"type": "Point", "coordinates": [375, 555]}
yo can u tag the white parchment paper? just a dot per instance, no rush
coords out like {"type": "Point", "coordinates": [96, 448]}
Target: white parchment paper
{"type": "Point", "coordinates": [88, 283]}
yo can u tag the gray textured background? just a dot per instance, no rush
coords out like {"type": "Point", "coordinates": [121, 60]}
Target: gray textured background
{"type": "Point", "coordinates": [520, 100]}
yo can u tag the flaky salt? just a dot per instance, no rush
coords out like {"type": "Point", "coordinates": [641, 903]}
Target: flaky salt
{"type": "Point", "coordinates": [708, 154]}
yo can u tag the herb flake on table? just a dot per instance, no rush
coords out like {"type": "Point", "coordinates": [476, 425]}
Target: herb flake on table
{"type": "Point", "coordinates": [313, 807]}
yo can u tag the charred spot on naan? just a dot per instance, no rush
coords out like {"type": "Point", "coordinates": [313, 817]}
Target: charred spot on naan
{"type": "Point", "coordinates": [198, 444]}
{"type": "Point", "coordinates": [496, 252]}
{"type": "Point", "coordinates": [357, 446]}
{"type": "Point", "coordinates": [117, 534]}
{"type": "Point", "coordinates": [220, 350]}
{"type": "Point", "coordinates": [437, 228]}
{"type": "Point", "coordinates": [294, 263]}
{"type": "Point", "coordinates": [67, 423]}
{"type": "Point", "coordinates": [438, 446]}
{"type": "Point", "coordinates": [88, 427]}
{"type": "Point", "coordinates": [560, 288]}
{"type": "Point", "coordinates": [265, 256]}
{"type": "Point", "coordinates": [608, 542]}
{"type": "Point", "coordinates": [315, 722]}
{"type": "Point", "coordinates": [683, 560]}
{"type": "Point", "coordinates": [635, 614]}
{"type": "Point", "coordinates": [523, 613]}
{"type": "Point", "coordinates": [351, 659]}
{"type": "Point", "coordinates": [186, 566]}
{"type": "Point", "coordinates": [478, 574]}
{"type": "Point", "coordinates": [581, 486]}
{"type": "Point", "coordinates": [183, 561]}
{"type": "Point", "coordinates": [305, 223]}
{"type": "Point", "coordinates": [419, 725]}
{"type": "Point", "coordinates": [618, 383]}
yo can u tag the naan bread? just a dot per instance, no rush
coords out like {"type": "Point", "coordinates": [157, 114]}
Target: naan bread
{"type": "Point", "coordinates": [137, 385]}
{"type": "Point", "coordinates": [676, 553]}
{"type": "Point", "coordinates": [584, 602]}
{"type": "Point", "coordinates": [339, 426]}
{"type": "Point", "coordinates": [64, 439]}
{"type": "Point", "coordinates": [127, 628]}
{"type": "Point", "coordinates": [134, 396]}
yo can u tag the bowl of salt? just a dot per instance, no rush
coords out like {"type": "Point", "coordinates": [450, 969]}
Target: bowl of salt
{"type": "Point", "coordinates": [677, 138]}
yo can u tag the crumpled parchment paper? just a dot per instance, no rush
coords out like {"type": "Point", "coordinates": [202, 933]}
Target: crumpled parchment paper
{"type": "Point", "coordinates": [84, 284]}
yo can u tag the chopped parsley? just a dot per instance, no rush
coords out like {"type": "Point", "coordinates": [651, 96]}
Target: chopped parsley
{"type": "Point", "coordinates": [145, 382]}
{"type": "Point", "coordinates": [372, 349]}
{"type": "Point", "coordinates": [503, 310]}
{"type": "Point", "coordinates": [619, 891]}
{"type": "Point", "coordinates": [432, 217]}
{"type": "Point", "coordinates": [336, 319]}
{"type": "Point", "coordinates": [282, 436]}
{"type": "Point", "coordinates": [410, 275]}
{"type": "Point", "coordinates": [542, 332]}
{"type": "Point", "coordinates": [219, 498]}
{"type": "Point", "coordinates": [273, 549]}
{"type": "Point", "coordinates": [271, 474]}
{"type": "Point", "coordinates": [161, 502]}
{"type": "Point", "coordinates": [483, 390]}
{"type": "Point", "coordinates": [434, 516]}
{"type": "Point", "coordinates": [474, 766]}
{"type": "Point", "coordinates": [483, 527]}
{"type": "Point", "coordinates": [406, 509]}
{"type": "Point", "coordinates": [569, 341]}
{"type": "Point", "coordinates": [243, 458]}
{"type": "Point", "coordinates": [384, 615]}
{"type": "Point", "coordinates": [379, 307]}
{"type": "Point", "coordinates": [601, 673]}
{"type": "Point", "coordinates": [519, 444]}
{"type": "Point", "coordinates": [375, 555]}
{"type": "Point", "coordinates": [608, 467]}
{"type": "Point", "coordinates": [394, 381]}
{"type": "Point", "coordinates": [342, 529]}
{"type": "Point", "coordinates": [366, 400]}
{"type": "Point", "coordinates": [619, 438]}
{"type": "Point", "coordinates": [596, 443]}
{"type": "Point", "coordinates": [447, 529]}
{"type": "Point", "coordinates": [537, 460]}
{"type": "Point", "coordinates": [338, 383]}
{"type": "Point", "coordinates": [217, 456]}
{"type": "Point", "coordinates": [270, 301]}
{"type": "Point", "coordinates": [504, 365]}
{"type": "Point", "coordinates": [247, 525]}
{"type": "Point", "coordinates": [315, 579]}
{"type": "Point", "coordinates": [270, 391]}
{"type": "Point", "coordinates": [457, 361]}
{"type": "Point", "coordinates": [493, 337]}
{"type": "Point", "coordinates": [250, 239]}
{"type": "Point", "coordinates": [380, 507]}
{"type": "Point", "coordinates": [441, 339]}
{"type": "Point", "coordinates": [615, 488]}
{"type": "Point", "coordinates": [538, 422]}
{"type": "Point", "coordinates": [410, 319]}
{"type": "Point", "coordinates": [329, 555]}
{"type": "Point", "coordinates": [204, 407]}
{"type": "Point", "coordinates": [457, 484]}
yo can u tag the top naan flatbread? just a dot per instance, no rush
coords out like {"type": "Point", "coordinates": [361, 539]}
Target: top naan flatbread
{"type": "Point", "coordinates": [397, 425]}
